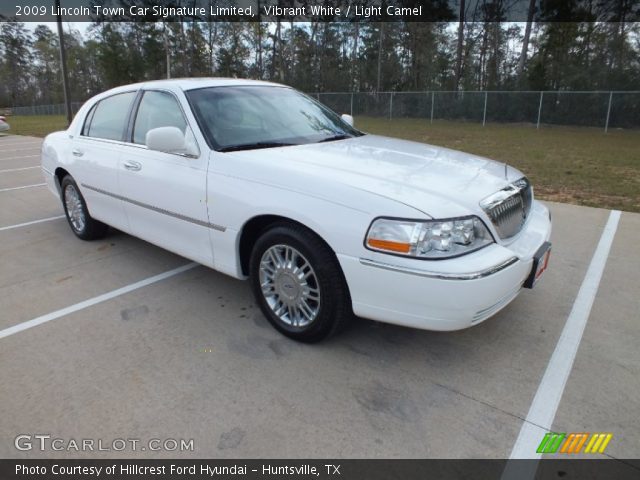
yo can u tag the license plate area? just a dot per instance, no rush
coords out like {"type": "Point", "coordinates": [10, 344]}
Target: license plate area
{"type": "Point", "coordinates": [540, 264]}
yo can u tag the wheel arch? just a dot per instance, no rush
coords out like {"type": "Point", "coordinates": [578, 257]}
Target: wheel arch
{"type": "Point", "coordinates": [58, 175]}
{"type": "Point", "coordinates": [253, 229]}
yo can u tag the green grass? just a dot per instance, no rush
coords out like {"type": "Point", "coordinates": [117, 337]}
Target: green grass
{"type": "Point", "coordinates": [576, 165]}
{"type": "Point", "coordinates": [36, 125]}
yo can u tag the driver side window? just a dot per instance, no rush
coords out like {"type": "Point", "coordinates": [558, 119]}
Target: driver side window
{"type": "Point", "coordinates": [157, 109]}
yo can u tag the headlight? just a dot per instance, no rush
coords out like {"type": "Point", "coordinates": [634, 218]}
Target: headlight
{"type": "Point", "coordinates": [429, 239]}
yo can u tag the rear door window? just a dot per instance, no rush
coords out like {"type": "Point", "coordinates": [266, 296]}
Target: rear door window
{"type": "Point", "coordinates": [109, 118]}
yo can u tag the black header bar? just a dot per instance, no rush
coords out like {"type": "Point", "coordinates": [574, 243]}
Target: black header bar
{"type": "Point", "coordinates": [318, 10]}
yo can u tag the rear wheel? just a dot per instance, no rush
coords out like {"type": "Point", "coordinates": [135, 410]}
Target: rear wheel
{"type": "Point", "coordinates": [75, 208]}
{"type": "Point", "coordinates": [298, 283]}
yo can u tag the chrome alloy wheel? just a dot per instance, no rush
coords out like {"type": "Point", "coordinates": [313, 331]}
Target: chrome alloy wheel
{"type": "Point", "coordinates": [289, 285]}
{"type": "Point", "coordinates": [75, 210]}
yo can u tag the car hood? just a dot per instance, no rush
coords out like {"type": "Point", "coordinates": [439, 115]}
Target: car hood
{"type": "Point", "coordinates": [437, 181]}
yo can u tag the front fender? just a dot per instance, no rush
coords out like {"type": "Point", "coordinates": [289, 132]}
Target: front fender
{"type": "Point", "coordinates": [232, 202]}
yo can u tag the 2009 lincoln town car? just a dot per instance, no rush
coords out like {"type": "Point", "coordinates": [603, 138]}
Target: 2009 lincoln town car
{"type": "Point", "coordinates": [257, 180]}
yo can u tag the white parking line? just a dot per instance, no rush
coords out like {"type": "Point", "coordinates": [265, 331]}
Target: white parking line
{"type": "Point", "coordinates": [20, 327]}
{"type": "Point", "coordinates": [35, 147]}
{"type": "Point", "coordinates": [18, 137]}
{"type": "Point", "coordinates": [20, 188]}
{"type": "Point", "coordinates": [17, 158]}
{"type": "Point", "coordinates": [545, 403]}
{"type": "Point", "coordinates": [6, 138]}
{"type": "Point", "coordinates": [26, 224]}
{"type": "Point", "coordinates": [4, 143]}
{"type": "Point", "coordinates": [17, 169]}
{"type": "Point", "coordinates": [19, 147]}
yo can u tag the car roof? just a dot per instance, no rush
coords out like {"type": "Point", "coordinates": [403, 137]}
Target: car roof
{"type": "Point", "coordinates": [170, 84]}
{"type": "Point", "coordinates": [193, 83]}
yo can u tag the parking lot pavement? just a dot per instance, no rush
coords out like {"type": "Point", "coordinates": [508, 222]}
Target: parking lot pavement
{"type": "Point", "coordinates": [11, 164]}
{"type": "Point", "coordinates": [602, 392]}
{"type": "Point", "coordinates": [18, 157]}
{"type": "Point", "coordinates": [27, 205]}
{"type": "Point", "coordinates": [191, 357]}
{"type": "Point", "coordinates": [9, 179]}
{"type": "Point", "coordinates": [65, 272]}
{"type": "Point", "coordinates": [19, 150]}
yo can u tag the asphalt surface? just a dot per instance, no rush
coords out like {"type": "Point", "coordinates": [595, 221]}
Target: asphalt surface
{"type": "Point", "coordinates": [191, 357]}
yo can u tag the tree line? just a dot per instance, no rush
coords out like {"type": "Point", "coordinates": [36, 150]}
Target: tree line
{"type": "Point", "coordinates": [479, 52]}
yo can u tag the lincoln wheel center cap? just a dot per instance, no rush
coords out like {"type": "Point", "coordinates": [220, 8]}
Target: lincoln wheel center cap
{"type": "Point", "coordinates": [287, 286]}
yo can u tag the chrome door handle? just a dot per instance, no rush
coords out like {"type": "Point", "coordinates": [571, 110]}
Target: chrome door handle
{"type": "Point", "coordinates": [133, 166]}
{"type": "Point", "coordinates": [77, 153]}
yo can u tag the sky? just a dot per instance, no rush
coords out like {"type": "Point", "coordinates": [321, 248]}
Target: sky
{"type": "Point", "coordinates": [80, 26]}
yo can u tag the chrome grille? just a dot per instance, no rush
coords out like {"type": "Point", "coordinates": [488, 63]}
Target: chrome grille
{"type": "Point", "coordinates": [509, 208]}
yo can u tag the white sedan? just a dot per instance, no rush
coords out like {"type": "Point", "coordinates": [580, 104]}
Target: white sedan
{"type": "Point", "coordinates": [259, 181]}
{"type": "Point", "coordinates": [4, 126]}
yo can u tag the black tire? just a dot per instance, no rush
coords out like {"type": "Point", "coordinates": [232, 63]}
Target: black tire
{"type": "Point", "coordinates": [334, 305]}
{"type": "Point", "coordinates": [91, 229]}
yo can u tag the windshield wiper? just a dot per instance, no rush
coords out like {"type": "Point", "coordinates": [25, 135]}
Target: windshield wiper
{"type": "Point", "coordinates": [342, 136]}
{"type": "Point", "coordinates": [255, 146]}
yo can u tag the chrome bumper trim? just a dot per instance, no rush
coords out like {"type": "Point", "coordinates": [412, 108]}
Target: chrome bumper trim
{"type": "Point", "coordinates": [441, 275]}
{"type": "Point", "coordinates": [489, 311]}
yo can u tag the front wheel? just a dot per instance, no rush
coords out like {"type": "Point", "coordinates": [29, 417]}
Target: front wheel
{"type": "Point", "coordinates": [298, 284]}
{"type": "Point", "coordinates": [75, 208]}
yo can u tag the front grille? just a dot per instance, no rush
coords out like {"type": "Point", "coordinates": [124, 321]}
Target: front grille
{"type": "Point", "coordinates": [509, 208]}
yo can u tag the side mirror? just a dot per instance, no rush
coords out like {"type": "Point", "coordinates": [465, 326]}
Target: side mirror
{"type": "Point", "coordinates": [170, 140]}
{"type": "Point", "coordinates": [348, 119]}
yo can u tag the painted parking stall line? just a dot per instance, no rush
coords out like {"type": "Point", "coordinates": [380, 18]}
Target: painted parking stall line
{"type": "Point", "coordinates": [19, 142]}
{"type": "Point", "coordinates": [21, 187]}
{"type": "Point", "coordinates": [18, 148]}
{"type": "Point", "coordinates": [18, 158]}
{"type": "Point", "coordinates": [19, 138]}
{"type": "Point", "coordinates": [18, 169]}
{"type": "Point", "coordinates": [14, 150]}
{"type": "Point", "coordinates": [33, 222]}
{"type": "Point", "coordinates": [4, 143]}
{"type": "Point", "coordinates": [547, 398]}
{"type": "Point", "coordinates": [20, 327]}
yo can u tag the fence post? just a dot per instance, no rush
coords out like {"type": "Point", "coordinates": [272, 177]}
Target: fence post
{"type": "Point", "coordinates": [539, 109]}
{"type": "Point", "coordinates": [352, 104]}
{"type": "Point", "coordinates": [606, 124]}
{"type": "Point", "coordinates": [484, 115]}
{"type": "Point", "coordinates": [433, 96]}
{"type": "Point", "coordinates": [391, 106]}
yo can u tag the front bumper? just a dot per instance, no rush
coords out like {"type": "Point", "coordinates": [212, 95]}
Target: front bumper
{"type": "Point", "coordinates": [446, 294]}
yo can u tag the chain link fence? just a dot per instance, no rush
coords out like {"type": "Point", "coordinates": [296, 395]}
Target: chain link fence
{"type": "Point", "coordinates": [587, 109]}
{"type": "Point", "coordinates": [54, 109]}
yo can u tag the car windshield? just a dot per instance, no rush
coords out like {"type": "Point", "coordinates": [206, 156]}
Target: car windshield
{"type": "Point", "coordinates": [251, 117]}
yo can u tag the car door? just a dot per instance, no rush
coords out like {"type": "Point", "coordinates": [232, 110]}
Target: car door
{"type": "Point", "coordinates": [96, 152]}
{"type": "Point", "coordinates": [165, 193]}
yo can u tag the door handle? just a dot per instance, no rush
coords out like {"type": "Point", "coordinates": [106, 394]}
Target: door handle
{"type": "Point", "coordinates": [77, 153]}
{"type": "Point", "coordinates": [133, 166]}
